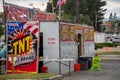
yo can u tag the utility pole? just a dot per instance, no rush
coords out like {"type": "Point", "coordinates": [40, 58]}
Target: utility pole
{"type": "Point", "coordinates": [52, 7]}
{"type": "Point", "coordinates": [4, 11]}
{"type": "Point", "coordinates": [59, 12]}
{"type": "Point", "coordinates": [4, 18]}
{"type": "Point", "coordinates": [96, 15]}
{"type": "Point", "coordinates": [95, 21]}
{"type": "Point", "coordinates": [51, 1]}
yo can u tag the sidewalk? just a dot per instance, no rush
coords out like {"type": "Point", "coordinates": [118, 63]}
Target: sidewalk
{"type": "Point", "coordinates": [109, 49]}
{"type": "Point", "coordinates": [117, 49]}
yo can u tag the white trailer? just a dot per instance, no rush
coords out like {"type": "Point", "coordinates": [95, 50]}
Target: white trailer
{"type": "Point", "coordinates": [65, 41]}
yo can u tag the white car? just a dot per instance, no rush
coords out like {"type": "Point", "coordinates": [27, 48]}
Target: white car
{"type": "Point", "coordinates": [115, 39]}
{"type": "Point", "coordinates": [109, 39]}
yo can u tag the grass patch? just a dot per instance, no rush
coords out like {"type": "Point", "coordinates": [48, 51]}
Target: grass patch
{"type": "Point", "coordinates": [109, 53]}
{"type": "Point", "coordinates": [26, 76]}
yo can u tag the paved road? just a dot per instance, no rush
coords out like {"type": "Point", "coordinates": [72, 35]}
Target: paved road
{"type": "Point", "coordinates": [110, 71]}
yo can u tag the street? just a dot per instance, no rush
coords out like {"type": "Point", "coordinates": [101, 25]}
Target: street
{"type": "Point", "coordinates": [110, 71]}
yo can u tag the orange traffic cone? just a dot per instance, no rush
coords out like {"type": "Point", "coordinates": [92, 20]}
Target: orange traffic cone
{"type": "Point", "coordinates": [106, 48]}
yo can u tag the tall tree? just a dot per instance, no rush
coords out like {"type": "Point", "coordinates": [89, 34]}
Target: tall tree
{"type": "Point", "coordinates": [77, 13]}
{"type": "Point", "coordinates": [91, 8]}
{"type": "Point", "coordinates": [1, 25]}
{"type": "Point", "coordinates": [115, 22]}
{"type": "Point", "coordinates": [96, 12]}
{"type": "Point", "coordinates": [110, 17]}
{"type": "Point", "coordinates": [49, 5]}
{"type": "Point", "coordinates": [71, 8]}
{"type": "Point", "coordinates": [1, 29]}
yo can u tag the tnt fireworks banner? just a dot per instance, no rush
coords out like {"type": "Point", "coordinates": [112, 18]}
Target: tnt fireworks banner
{"type": "Point", "coordinates": [19, 13]}
{"type": "Point", "coordinates": [22, 38]}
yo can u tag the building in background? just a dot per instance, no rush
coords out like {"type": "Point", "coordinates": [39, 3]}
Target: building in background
{"type": "Point", "coordinates": [107, 26]}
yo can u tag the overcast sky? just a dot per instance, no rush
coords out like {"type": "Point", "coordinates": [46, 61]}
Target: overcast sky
{"type": "Point", "coordinates": [113, 6]}
{"type": "Point", "coordinates": [25, 3]}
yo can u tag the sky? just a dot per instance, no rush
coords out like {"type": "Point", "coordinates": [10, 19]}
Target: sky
{"type": "Point", "coordinates": [25, 3]}
{"type": "Point", "coordinates": [113, 6]}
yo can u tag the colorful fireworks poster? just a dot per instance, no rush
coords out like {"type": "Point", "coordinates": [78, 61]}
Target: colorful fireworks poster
{"type": "Point", "coordinates": [69, 32]}
{"type": "Point", "coordinates": [22, 39]}
{"type": "Point", "coordinates": [64, 32]}
{"type": "Point", "coordinates": [19, 13]}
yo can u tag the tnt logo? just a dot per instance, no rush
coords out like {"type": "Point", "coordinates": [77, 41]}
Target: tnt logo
{"type": "Point", "coordinates": [22, 45]}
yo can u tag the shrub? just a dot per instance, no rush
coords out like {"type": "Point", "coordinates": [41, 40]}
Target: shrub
{"type": "Point", "coordinates": [101, 45]}
{"type": "Point", "coordinates": [98, 45]}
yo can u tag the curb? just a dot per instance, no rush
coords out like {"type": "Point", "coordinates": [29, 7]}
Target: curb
{"type": "Point", "coordinates": [58, 77]}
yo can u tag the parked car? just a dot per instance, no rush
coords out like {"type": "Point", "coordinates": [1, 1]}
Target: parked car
{"type": "Point", "coordinates": [115, 39]}
{"type": "Point", "coordinates": [109, 39]}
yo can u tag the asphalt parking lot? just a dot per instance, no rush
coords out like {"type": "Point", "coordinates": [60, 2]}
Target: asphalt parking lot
{"type": "Point", "coordinates": [110, 71]}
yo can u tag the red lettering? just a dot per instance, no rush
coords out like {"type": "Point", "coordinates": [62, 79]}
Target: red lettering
{"type": "Point", "coordinates": [51, 42]}
{"type": "Point", "coordinates": [51, 38]}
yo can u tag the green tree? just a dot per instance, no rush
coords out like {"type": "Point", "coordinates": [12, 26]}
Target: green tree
{"type": "Point", "coordinates": [1, 25]}
{"type": "Point", "coordinates": [90, 8]}
{"type": "Point", "coordinates": [84, 19]}
{"type": "Point", "coordinates": [69, 7]}
{"type": "Point", "coordinates": [67, 18]}
{"type": "Point", "coordinates": [96, 12]}
{"type": "Point", "coordinates": [1, 30]}
{"type": "Point", "coordinates": [110, 17]}
{"type": "Point", "coordinates": [49, 5]}
{"type": "Point", "coordinates": [115, 22]}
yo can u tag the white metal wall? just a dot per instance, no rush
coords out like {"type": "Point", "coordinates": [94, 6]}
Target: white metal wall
{"type": "Point", "coordinates": [66, 49]}
{"type": "Point", "coordinates": [51, 43]}
{"type": "Point", "coordinates": [89, 48]}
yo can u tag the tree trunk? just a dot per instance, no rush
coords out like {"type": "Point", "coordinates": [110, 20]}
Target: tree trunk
{"type": "Point", "coordinates": [77, 13]}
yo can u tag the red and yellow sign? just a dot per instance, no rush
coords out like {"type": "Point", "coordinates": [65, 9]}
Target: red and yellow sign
{"type": "Point", "coordinates": [22, 47]}
{"type": "Point", "coordinates": [92, 34]}
{"type": "Point", "coordinates": [86, 33]}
